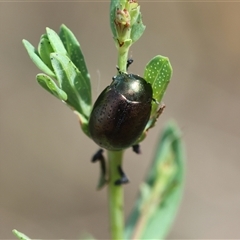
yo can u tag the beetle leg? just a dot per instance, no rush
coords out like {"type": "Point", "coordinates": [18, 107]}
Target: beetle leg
{"type": "Point", "coordinates": [98, 156]}
{"type": "Point", "coordinates": [136, 148]}
{"type": "Point", "coordinates": [123, 179]}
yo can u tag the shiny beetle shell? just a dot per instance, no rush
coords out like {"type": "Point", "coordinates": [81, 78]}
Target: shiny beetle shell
{"type": "Point", "coordinates": [121, 112]}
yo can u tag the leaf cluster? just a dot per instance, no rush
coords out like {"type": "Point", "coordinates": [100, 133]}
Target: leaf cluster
{"type": "Point", "coordinates": [65, 74]}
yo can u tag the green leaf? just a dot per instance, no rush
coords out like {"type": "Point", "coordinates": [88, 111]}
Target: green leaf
{"type": "Point", "coordinates": [134, 13]}
{"type": "Point", "coordinates": [113, 7]}
{"type": "Point", "coordinates": [49, 84]}
{"type": "Point", "coordinates": [161, 193]}
{"type": "Point", "coordinates": [44, 50]}
{"type": "Point", "coordinates": [20, 235]}
{"type": "Point", "coordinates": [55, 41]}
{"type": "Point", "coordinates": [158, 72]}
{"type": "Point", "coordinates": [137, 29]}
{"type": "Point", "coordinates": [33, 54]}
{"type": "Point", "coordinates": [74, 52]}
{"type": "Point", "coordinates": [73, 83]}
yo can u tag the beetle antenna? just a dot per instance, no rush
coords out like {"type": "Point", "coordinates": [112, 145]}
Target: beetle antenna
{"type": "Point", "coordinates": [136, 148]}
{"type": "Point", "coordinates": [129, 62]}
{"type": "Point", "coordinates": [118, 69]}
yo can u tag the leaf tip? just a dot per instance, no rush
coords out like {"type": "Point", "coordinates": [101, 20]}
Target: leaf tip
{"type": "Point", "coordinates": [26, 43]}
{"type": "Point", "coordinates": [20, 235]}
{"type": "Point", "coordinates": [63, 26]}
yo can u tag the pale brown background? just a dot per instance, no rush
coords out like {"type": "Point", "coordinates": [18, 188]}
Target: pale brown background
{"type": "Point", "coordinates": [47, 183]}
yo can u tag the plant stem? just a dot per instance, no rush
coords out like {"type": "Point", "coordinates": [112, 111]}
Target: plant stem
{"type": "Point", "coordinates": [122, 60]}
{"type": "Point", "coordinates": [115, 196]}
{"type": "Point", "coordinates": [115, 193]}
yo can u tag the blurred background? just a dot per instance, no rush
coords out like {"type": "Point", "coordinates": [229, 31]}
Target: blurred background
{"type": "Point", "coordinates": [47, 183]}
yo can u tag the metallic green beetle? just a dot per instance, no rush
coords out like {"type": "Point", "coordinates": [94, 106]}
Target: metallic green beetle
{"type": "Point", "coordinates": [121, 112]}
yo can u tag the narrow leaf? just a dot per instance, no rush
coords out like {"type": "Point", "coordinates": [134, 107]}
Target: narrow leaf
{"type": "Point", "coordinates": [134, 13]}
{"type": "Point", "coordinates": [137, 29]}
{"type": "Point", "coordinates": [73, 83]}
{"type": "Point", "coordinates": [158, 72]}
{"type": "Point", "coordinates": [113, 7]}
{"type": "Point", "coordinates": [44, 49]}
{"type": "Point", "coordinates": [74, 52]}
{"type": "Point", "coordinates": [47, 83]}
{"type": "Point", "coordinates": [161, 193]}
{"type": "Point", "coordinates": [33, 54]}
{"type": "Point", "coordinates": [20, 235]}
{"type": "Point", "coordinates": [55, 41]}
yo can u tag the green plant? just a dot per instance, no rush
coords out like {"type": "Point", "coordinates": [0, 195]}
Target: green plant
{"type": "Point", "coordinates": [65, 75]}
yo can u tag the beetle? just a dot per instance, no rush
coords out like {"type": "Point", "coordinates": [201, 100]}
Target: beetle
{"type": "Point", "coordinates": [120, 114]}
